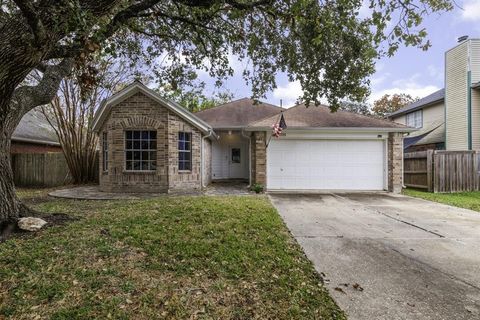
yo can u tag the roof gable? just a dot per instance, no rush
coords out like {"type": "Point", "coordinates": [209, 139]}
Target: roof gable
{"type": "Point", "coordinates": [320, 117]}
{"type": "Point", "coordinates": [136, 87]}
{"type": "Point", "coordinates": [238, 113]}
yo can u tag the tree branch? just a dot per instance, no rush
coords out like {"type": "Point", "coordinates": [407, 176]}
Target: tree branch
{"type": "Point", "coordinates": [26, 98]}
{"type": "Point", "coordinates": [32, 19]}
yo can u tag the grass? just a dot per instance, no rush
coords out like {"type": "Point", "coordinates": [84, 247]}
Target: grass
{"type": "Point", "coordinates": [467, 200]}
{"type": "Point", "coordinates": [169, 257]}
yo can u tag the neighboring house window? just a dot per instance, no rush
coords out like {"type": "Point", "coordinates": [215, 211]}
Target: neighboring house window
{"type": "Point", "coordinates": [184, 151]}
{"type": "Point", "coordinates": [105, 151]}
{"type": "Point", "coordinates": [415, 119]}
{"type": "Point", "coordinates": [140, 150]}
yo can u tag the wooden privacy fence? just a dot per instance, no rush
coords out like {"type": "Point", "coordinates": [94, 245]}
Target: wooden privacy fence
{"type": "Point", "coordinates": [442, 171]}
{"type": "Point", "coordinates": [40, 169]}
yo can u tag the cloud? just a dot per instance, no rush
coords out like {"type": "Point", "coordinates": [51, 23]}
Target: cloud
{"type": "Point", "coordinates": [471, 10]}
{"type": "Point", "coordinates": [410, 86]}
{"type": "Point", "coordinates": [288, 93]}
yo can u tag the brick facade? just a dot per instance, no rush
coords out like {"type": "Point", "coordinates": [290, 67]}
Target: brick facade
{"type": "Point", "coordinates": [395, 162]}
{"type": "Point", "coordinates": [259, 157]}
{"type": "Point", "coordinates": [139, 112]}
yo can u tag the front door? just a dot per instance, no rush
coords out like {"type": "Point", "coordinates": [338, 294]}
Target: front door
{"type": "Point", "coordinates": [236, 162]}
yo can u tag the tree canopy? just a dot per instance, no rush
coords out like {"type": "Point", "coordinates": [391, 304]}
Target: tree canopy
{"type": "Point", "coordinates": [325, 45]}
{"type": "Point", "coordinates": [391, 103]}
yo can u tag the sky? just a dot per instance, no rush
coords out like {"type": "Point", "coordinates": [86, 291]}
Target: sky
{"type": "Point", "coordinates": [410, 71]}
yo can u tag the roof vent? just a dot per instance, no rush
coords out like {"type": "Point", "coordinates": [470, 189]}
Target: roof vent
{"type": "Point", "coordinates": [462, 38]}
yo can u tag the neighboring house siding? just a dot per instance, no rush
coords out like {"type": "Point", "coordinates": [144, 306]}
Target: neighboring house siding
{"type": "Point", "coordinates": [431, 115]}
{"type": "Point", "coordinates": [456, 97]}
{"type": "Point", "coordinates": [139, 112]}
{"type": "Point", "coordinates": [475, 68]}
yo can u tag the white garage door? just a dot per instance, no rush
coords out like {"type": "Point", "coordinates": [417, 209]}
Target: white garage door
{"type": "Point", "coordinates": [325, 165]}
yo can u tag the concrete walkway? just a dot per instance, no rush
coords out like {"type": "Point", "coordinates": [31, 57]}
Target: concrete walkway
{"type": "Point", "coordinates": [390, 257]}
{"type": "Point", "coordinates": [94, 193]}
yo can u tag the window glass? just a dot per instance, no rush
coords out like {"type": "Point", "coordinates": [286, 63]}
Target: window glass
{"type": "Point", "coordinates": [415, 119]}
{"type": "Point", "coordinates": [235, 155]}
{"type": "Point", "coordinates": [140, 150]}
{"type": "Point", "coordinates": [184, 151]}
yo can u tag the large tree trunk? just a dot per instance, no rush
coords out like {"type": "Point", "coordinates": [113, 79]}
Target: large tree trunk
{"type": "Point", "coordinates": [10, 205]}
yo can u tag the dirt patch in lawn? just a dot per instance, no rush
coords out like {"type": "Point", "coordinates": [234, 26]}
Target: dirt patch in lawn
{"type": "Point", "coordinates": [10, 229]}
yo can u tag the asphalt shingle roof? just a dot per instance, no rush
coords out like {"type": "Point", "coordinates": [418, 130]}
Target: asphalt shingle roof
{"type": "Point", "coordinates": [35, 128]}
{"type": "Point", "coordinates": [437, 96]}
{"type": "Point", "coordinates": [301, 116]}
{"type": "Point", "coordinates": [238, 113]}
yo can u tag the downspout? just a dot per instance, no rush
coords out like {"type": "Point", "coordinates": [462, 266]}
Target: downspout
{"type": "Point", "coordinates": [469, 97]}
{"type": "Point", "coordinates": [202, 157]}
{"type": "Point", "coordinates": [249, 156]}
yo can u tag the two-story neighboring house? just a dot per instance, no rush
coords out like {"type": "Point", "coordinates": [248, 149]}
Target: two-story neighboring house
{"type": "Point", "coordinates": [448, 118]}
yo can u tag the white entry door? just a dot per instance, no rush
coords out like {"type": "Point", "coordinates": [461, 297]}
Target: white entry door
{"type": "Point", "coordinates": [326, 165]}
{"type": "Point", "coordinates": [236, 162]}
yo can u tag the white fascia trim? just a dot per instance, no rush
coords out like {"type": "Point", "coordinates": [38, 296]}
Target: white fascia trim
{"type": "Point", "coordinates": [336, 129]}
{"type": "Point", "coordinates": [137, 87]}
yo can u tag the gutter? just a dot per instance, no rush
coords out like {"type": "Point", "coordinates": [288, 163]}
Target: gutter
{"type": "Point", "coordinates": [50, 143]}
{"type": "Point", "coordinates": [337, 129]}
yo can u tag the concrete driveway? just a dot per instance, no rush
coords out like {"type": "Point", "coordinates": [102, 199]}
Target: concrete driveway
{"type": "Point", "coordinates": [390, 257]}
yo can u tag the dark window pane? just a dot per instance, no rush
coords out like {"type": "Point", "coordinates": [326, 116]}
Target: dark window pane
{"type": "Point", "coordinates": [129, 155]}
{"type": "Point", "coordinates": [128, 134]}
{"type": "Point", "coordinates": [144, 165]}
{"type": "Point", "coordinates": [181, 145]}
{"type": "Point", "coordinates": [136, 155]}
{"type": "Point", "coordinates": [181, 165]}
{"type": "Point", "coordinates": [187, 145]}
{"type": "Point", "coordinates": [144, 145]}
{"type": "Point", "coordinates": [188, 156]}
{"type": "Point", "coordinates": [188, 136]}
{"type": "Point", "coordinates": [136, 165]}
{"type": "Point", "coordinates": [129, 165]}
{"type": "Point", "coordinates": [235, 155]}
{"type": "Point", "coordinates": [128, 144]}
{"type": "Point", "coordinates": [136, 145]}
{"type": "Point", "coordinates": [180, 136]}
{"type": "Point", "coordinates": [153, 165]}
{"type": "Point", "coordinates": [145, 155]}
{"type": "Point", "coordinates": [144, 135]}
{"type": "Point", "coordinates": [153, 135]}
{"type": "Point", "coordinates": [136, 134]}
{"type": "Point", "coordinates": [188, 165]}
{"type": "Point", "coordinates": [181, 156]}
{"type": "Point", "coordinates": [153, 145]}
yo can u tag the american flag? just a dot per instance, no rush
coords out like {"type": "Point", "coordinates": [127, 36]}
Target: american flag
{"type": "Point", "coordinates": [278, 128]}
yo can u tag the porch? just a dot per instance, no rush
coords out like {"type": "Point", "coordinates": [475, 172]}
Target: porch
{"type": "Point", "coordinates": [231, 156]}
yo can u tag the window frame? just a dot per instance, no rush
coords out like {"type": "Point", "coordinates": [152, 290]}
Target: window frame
{"type": "Point", "coordinates": [105, 151]}
{"type": "Point", "coordinates": [415, 116]}
{"type": "Point", "coordinates": [141, 150]}
{"type": "Point", "coordinates": [184, 151]}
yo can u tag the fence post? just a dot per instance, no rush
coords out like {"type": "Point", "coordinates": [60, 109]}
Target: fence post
{"type": "Point", "coordinates": [430, 173]}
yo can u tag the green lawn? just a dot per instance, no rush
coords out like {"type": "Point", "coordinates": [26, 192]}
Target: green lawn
{"type": "Point", "coordinates": [170, 257]}
{"type": "Point", "coordinates": [467, 200]}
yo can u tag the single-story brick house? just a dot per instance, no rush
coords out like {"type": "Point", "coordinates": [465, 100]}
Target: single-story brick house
{"type": "Point", "coordinates": [150, 144]}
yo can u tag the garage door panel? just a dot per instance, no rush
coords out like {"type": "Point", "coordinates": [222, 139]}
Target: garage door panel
{"type": "Point", "coordinates": [325, 164]}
